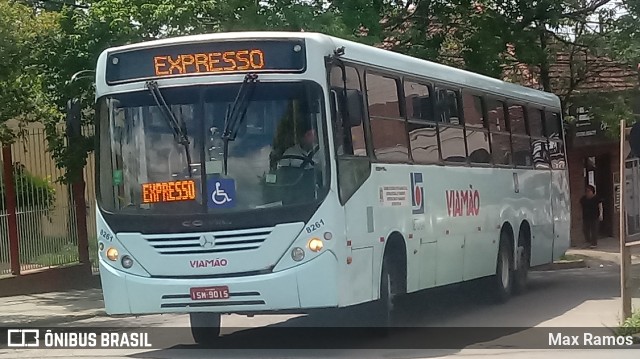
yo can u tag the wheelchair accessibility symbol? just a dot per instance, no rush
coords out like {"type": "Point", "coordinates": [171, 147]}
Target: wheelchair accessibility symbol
{"type": "Point", "coordinates": [222, 193]}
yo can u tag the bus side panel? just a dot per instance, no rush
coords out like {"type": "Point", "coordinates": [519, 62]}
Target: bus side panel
{"type": "Point", "coordinates": [392, 214]}
{"type": "Point", "coordinates": [495, 190]}
{"type": "Point", "coordinates": [561, 213]}
{"type": "Point", "coordinates": [540, 218]}
{"type": "Point", "coordinates": [361, 242]}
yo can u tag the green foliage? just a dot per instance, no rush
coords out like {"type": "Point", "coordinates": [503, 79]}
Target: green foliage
{"type": "Point", "coordinates": [32, 192]}
{"type": "Point", "coordinates": [611, 110]}
{"type": "Point", "coordinates": [631, 326]}
{"type": "Point", "coordinates": [21, 95]}
{"type": "Point", "coordinates": [44, 43]}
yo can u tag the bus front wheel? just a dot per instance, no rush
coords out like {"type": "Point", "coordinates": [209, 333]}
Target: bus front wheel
{"type": "Point", "coordinates": [205, 327]}
{"type": "Point", "coordinates": [385, 312]}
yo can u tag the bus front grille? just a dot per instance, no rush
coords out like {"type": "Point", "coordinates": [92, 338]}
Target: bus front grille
{"type": "Point", "coordinates": [212, 242]}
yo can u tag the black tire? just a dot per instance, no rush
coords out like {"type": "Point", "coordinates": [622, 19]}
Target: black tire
{"type": "Point", "coordinates": [521, 274]}
{"type": "Point", "coordinates": [384, 312]}
{"type": "Point", "coordinates": [205, 327]}
{"type": "Point", "coordinates": [503, 279]}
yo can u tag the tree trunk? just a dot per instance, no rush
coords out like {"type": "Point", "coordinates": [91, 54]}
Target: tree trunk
{"type": "Point", "coordinates": [544, 60]}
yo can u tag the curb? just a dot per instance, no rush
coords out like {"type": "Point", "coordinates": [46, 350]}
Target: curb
{"type": "Point", "coordinates": [559, 265]}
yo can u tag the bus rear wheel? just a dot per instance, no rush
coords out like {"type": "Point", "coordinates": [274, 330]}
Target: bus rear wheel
{"type": "Point", "coordinates": [503, 281]}
{"type": "Point", "coordinates": [205, 327]}
{"type": "Point", "coordinates": [521, 273]}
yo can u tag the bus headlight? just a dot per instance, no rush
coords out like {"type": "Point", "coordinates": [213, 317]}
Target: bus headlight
{"type": "Point", "coordinates": [127, 262]}
{"type": "Point", "coordinates": [112, 254]}
{"type": "Point", "coordinates": [297, 254]}
{"type": "Point", "coordinates": [315, 244]}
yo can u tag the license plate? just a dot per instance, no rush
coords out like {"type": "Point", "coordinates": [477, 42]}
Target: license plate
{"type": "Point", "coordinates": [208, 293]}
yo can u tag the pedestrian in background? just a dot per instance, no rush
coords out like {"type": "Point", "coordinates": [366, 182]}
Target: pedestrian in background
{"type": "Point", "coordinates": [591, 216]}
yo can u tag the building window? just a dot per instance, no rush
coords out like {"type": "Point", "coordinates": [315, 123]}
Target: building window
{"type": "Point", "coordinates": [388, 129]}
{"type": "Point", "coordinates": [423, 137]}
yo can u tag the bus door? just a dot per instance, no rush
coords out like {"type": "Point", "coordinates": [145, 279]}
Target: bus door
{"type": "Point", "coordinates": [355, 183]}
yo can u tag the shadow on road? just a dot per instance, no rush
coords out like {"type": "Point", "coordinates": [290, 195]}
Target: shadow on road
{"type": "Point", "coordinates": [455, 317]}
{"type": "Point", "coordinates": [42, 309]}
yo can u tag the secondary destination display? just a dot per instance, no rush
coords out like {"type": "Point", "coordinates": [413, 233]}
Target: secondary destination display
{"type": "Point", "coordinates": [169, 191]}
{"type": "Point", "coordinates": [206, 58]}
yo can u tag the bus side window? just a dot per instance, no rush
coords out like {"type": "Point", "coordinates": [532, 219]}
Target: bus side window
{"type": "Point", "coordinates": [553, 129]}
{"type": "Point", "coordinates": [539, 145]}
{"type": "Point", "coordinates": [500, 141]}
{"type": "Point", "coordinates": [451, 131]}
{"type": "Point", "coordinates": [521, 144]}
{"type": "Point", "coordinates": [476, 133]}
{"type": "Point", "coordinates": [423, 139]}
{"type": "Point", "coordinates": [388, 129]}
{"type": "Point", "coordinates": [349, 140]}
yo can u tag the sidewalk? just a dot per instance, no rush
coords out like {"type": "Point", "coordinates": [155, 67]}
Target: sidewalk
{"type": "Point", "coordinates": [75, 305]}
{"type": "Point", "coordinates": [608, 252]}
{"type": "Point", "coordinates": [51, 308]}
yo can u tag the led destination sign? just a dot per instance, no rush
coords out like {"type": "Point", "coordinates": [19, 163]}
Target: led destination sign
{"type": "Point", "coordinates": [206, 59]}
{"type": "Point", "coordinates": [184, 64]}
{"type": "Point", "coordinates": [169, 191]}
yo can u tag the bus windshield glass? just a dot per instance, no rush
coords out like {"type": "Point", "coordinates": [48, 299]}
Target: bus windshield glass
{"type": "Point", "coordinates": [276, 158]}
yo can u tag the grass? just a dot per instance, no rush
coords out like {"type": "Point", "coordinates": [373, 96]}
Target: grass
{"type": "Point", "coordinates": [571, 257]}
{"type": "Point", "coordinates": [631, 326]}
{"type": "Point", "coordinates": [64, 255]}
{"type": "Point", "coordinates": [62, 251]}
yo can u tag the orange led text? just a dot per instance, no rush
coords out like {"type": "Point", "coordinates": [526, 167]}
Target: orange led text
{"type": "Point", "coordinates": [241, 60]}
{"type": "Point", "coordinates": [168, 191]}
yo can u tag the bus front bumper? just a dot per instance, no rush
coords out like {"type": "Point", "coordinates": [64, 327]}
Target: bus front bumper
{"type": "Point", "coordinates": [309, 285]}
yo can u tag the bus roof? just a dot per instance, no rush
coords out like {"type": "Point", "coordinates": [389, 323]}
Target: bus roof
{"type": "Point", "coordinates": [385, 59]}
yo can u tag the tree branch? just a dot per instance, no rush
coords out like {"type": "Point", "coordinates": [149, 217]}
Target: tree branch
{"type": "Point", "coordinates": [565, 41]}
{"type": "Point", "coordinates": [591, 8]}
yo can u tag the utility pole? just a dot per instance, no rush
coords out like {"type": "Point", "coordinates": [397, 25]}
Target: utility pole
{"type": "Point", "coordinates": [624, 253]}
{"type": "Point", "coordinates": [627, 240]}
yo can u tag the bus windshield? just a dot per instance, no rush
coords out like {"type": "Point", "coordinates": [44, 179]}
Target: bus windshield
{"type": "Point", "coordinates": [276, 157]}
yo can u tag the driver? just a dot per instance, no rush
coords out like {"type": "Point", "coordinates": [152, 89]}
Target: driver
{"type": "Point", "coordinates": [303, 155]}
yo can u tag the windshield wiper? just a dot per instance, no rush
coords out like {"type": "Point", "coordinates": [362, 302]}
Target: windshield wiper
{"type": "Point", "coordinates": [179, 128]}
{"type": "Point", "coordinates": [236, 114]}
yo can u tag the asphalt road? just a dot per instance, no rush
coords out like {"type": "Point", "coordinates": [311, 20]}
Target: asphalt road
{"type": "Point", "coordinates": [568, 298]}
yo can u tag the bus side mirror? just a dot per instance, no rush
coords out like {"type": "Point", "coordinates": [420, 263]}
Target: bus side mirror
{"type": "Point", "coordinates": [634, 139]}
{"type": "Point", "coordinates": [354, 105]}
{"type": "Point", "coordinates": [73, 118]}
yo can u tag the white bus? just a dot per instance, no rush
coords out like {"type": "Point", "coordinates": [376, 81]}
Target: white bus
{"type": "Point", "coordinates": [265, 172]}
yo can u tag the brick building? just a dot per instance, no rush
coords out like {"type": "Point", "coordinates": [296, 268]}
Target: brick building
{"type": "Point", "coordinates": [593, 155]}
